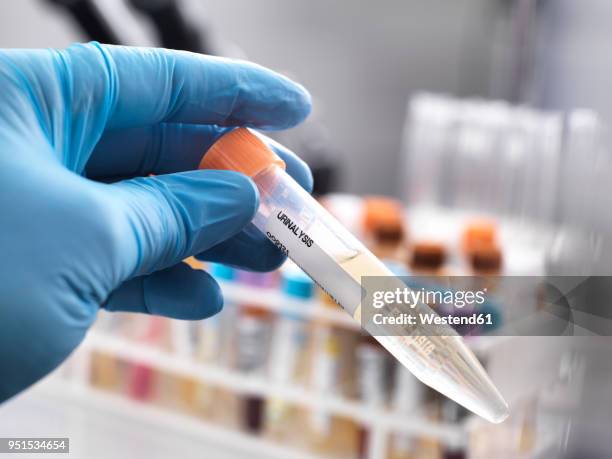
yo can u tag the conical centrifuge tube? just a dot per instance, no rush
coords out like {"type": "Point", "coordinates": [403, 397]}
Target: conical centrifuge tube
{"type": "Point", "coordinates": [300, 227]}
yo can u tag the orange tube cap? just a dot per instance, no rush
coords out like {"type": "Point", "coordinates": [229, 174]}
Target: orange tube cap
{"type": "Point", "coordinates": [240, 150]}
{"type": "Point", "coordinates": [479, 233]}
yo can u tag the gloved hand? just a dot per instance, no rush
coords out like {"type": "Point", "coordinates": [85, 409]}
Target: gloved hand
{"type": "Point", "coordinates": [74, 120]}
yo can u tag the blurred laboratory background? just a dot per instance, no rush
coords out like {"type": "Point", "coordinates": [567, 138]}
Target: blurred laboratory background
{"type": "Point", "coordinates": [467, 137]}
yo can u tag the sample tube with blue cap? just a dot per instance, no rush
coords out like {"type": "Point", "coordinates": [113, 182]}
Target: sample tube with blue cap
{"type": "Point", "coordinates": [289, 345]}
{"type": "Point", "coordinates": [215, 342]}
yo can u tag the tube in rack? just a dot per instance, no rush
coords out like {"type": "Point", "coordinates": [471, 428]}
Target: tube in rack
{"type": "Point", "coordinates": [336, 260]}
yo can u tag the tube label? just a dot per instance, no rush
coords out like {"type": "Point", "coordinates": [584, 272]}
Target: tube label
{"type": "Point", "coordinates": [298, 244]}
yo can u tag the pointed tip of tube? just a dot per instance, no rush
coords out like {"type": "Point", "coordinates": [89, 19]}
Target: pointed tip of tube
{"type": "Point", "coordinates": [465, 381]}
{"type": "Point", "coordinates": [487, 403]}
{"type": "Point", "coordinates": [501, 418]}
{"type": "Point", "coordinates": [452, 369]}
{"type": "Point", "coordinates": [484, 398]}
{"type": "Point", "coordinates": [498, 411]}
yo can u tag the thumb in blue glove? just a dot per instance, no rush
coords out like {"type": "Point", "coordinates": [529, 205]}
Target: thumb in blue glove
{"type": "Point", "coordinates": [84, 226]}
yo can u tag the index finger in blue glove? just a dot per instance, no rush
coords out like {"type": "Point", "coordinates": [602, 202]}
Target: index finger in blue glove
{"type": "Point", "coordinates": [144, 86]}
{"type": "Point", "coordinates": [170, 147]}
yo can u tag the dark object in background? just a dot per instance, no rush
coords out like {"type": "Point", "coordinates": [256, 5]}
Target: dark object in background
{"type": "Point", "coordinates": [253, 414]}
{"type": "Point", "coordinates": [427, 256]}
{"type": "Point", "coordinates": [173, 29]}
{"type": "Point", "coordinates": [90, 20]}
{"type": "Point", "coordinates": [454, 414]}
{"type": "Point", "coordinates": [325, 176]}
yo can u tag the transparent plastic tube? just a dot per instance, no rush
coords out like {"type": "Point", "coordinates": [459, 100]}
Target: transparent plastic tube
{"type": "Point", "coordinates": [336, 260]}
{"type": "Point", "coordinates": [299, 226]}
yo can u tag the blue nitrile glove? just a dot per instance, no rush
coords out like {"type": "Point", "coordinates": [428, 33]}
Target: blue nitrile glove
{"type": "Point", "coordinates": [74, 120]}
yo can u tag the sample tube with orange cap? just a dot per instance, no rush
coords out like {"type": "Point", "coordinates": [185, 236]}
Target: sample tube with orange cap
{"type": "Point", "coordinates": [479, 233]}
{"type": "Point", "coordinates": [301, 228]}
{"type": "Point", "coordinates": [383, 226]}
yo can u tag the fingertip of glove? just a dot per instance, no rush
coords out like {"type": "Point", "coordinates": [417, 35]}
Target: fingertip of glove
{"type": "Point", "coordinates": [293, 105]}
{"type": "Point", "coordinates": [303, 101]}
{"type": "Point", "coordinates": [183, 293]}
{"type": "Point", "coordinates": [208, 295]}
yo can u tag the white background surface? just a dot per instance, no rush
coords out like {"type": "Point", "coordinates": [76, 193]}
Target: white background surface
{"type": "Point", "coordinates": [100, 434]}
